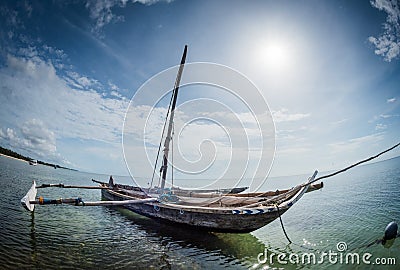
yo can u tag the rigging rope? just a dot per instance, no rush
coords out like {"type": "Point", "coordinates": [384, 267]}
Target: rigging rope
{"type": "Point", "coordinates": [162, 135]}
{"type": "Point", "coordinates": [172, 155]}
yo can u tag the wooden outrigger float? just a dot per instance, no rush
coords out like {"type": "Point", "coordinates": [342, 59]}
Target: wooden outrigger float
{"type": "Point", "coordinates": [228, 210]}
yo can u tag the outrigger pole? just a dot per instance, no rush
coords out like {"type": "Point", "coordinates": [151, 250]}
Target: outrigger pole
{"type": "Point", "coordinates": [29, 201]}
{"type": "Point", "coordinates": [68, 186]}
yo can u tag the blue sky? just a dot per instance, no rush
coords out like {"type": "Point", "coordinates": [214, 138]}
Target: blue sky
{"type": "Point", "coordinates": [329, 71]}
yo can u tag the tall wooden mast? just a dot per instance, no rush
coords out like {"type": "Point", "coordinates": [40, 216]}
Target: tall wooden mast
{"type": "Point", "coordinates": [171, 119]}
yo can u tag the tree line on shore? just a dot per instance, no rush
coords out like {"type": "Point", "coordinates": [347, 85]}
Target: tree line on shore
{"type": "Point", "coordinates": [10, 153]}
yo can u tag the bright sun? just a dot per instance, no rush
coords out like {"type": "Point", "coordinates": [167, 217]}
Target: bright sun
{"type": "Point", "coordinates": [274, 56]}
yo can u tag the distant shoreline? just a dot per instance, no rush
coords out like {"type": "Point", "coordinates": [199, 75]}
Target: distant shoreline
{"type": "Point", "coordinates": [14, 155]}
{"type": "Point", "coordinates": [13, 158]}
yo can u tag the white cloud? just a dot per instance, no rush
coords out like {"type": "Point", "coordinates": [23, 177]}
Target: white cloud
{"type": "Point", "coordinates": [293, 151]}
{"type": "Point", "coordinates": [10, 34]}
{"type": "Point", "coordinates": [380, 126]}
{"type": "Point", "coordinates": [34, 138]}
{"type": "Point", "coordinates": [355, 144]}
{"type": "Point", "coordinates": [8, 134]}
{"type": "Point", "coordinates": [84, 81]}
{"type": "Point", "coordinates": [385, 116]}
{"type": "Point", "coordinates": [29, 52]}
{"type": "Point", "coordinates": [28, 8]}
{"type": "Point", "coordinates": [38, 136]}
{"type": "Point", "coordinates": [80, 81]}
{"type": "Point", "coordinates": [32, 89]}
{"type": "Point", "coordinates": [339, 122]}
{"type": "Point", "coordinates": [116, 94]}
{"type": "Point", "coordinates": [391, 100]}
{"type": "Point", "coordinates": [283, 115]}
{"type": "Point", "coordinates": [101, 11]}
{"type": "Point", "coordinates": [113, 86]}
{"type": "Point", "coordinates": [388, 43]}
{"type": "Point", "coordinates": [114, 90]}
{"type": "Point", "coordinates": [382, 116]}
{"type": "Point", "coordinates": [13, 15]}
{"type": "Point", "coordinates": [13, 18]}
{"type": "Point", "coordinates": [53, 51]}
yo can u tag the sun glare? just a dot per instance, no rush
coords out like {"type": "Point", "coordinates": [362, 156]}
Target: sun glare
{"type": "Point", "coordinates": [274, 56]}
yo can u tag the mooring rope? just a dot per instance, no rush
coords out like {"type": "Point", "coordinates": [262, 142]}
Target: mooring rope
{"type": "Point", "coordinates": [351, 166]}
{"type": "Point", "coordinates": [283, 227]}
{"type": "Point", "coordinates": [330, 175]}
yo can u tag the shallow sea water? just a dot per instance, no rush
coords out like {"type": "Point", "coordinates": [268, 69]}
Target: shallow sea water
{"type": "Point", "coordinates": [352, 208]}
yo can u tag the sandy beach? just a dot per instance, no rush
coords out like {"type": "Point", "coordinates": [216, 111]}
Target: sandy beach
{"type": "Point", "coordinates": [14, 158]}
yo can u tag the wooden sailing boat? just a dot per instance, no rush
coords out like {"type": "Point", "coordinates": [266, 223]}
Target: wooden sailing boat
{"type": "Point", "coordinates": [209, 210]}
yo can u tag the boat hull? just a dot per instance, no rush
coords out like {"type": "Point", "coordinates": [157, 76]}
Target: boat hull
{"type": "Point", "coordinates": [206, 219]}
{"type": "Point", "coordinates": [211, 217]}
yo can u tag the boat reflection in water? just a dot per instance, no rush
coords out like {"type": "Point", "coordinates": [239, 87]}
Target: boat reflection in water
{"type": "Point", "coordinates": [230, 248]}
